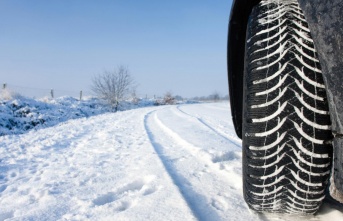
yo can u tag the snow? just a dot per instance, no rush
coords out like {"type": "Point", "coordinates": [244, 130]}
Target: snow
{"type": "Point", "coordinates": [19, 114]}
{"type": "Point", "coordinates": [178, 162]}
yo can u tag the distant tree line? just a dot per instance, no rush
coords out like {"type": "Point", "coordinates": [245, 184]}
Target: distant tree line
{"type": "Point", "coordinates": [214, 97]}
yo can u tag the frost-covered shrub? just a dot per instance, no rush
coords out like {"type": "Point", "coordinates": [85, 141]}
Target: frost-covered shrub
{"type": "Point", "coordinates": [23, 114]}
{"type": "Point", "coordinates": [169, 98]}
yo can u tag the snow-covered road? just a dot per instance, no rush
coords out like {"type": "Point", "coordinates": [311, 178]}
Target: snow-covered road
{"type": "Point", "coordinates": [158, 163]}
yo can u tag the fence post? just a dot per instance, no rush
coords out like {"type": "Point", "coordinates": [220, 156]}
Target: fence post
{"type": "Point", "coordinates": [52, 93]}
{"type": "Point", "coordinates": [80, 95]}
{"type": "Point", "coordinates": [4, 86]}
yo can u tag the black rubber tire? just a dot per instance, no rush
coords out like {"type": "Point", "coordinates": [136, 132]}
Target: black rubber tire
{"type": "Point", "coordinates": [286, 124]}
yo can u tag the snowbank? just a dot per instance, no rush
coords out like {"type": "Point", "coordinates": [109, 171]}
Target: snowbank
{"type": "Point", "coordinates": [20, 114]}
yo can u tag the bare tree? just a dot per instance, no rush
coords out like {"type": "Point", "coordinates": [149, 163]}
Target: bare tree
{"type": "Point", "coordinates": [113, 86]}
{"type": "Point", "coordinates": [169, 98]}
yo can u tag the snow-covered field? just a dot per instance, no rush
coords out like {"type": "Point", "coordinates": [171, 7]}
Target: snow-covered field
{"type": "Point", "coordinates": [180, 162]}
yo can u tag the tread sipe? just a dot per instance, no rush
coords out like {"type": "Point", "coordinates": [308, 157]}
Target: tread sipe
{"type": "Point", "coordinates": [286, 124]}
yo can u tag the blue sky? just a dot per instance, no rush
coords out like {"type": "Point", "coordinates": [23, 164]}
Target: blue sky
{"type": "Point", "coordinates": [177, 46]}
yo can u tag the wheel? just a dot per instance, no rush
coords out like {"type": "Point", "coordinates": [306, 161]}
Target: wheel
{"type": "Point", "coordinates": [286, 124]}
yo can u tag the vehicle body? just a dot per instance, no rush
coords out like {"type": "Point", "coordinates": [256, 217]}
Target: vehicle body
{"type": "Point", "coordinates": [325, 21]}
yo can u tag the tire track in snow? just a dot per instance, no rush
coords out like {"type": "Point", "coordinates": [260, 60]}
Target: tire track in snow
{"type": "Point", "coordinates": [166, 160]}
{"type": "Point", "coordinates": [191, 169]}
{"type": "Point", "coordinates": [210, 127]}
{"type": "Point", "coordinates": [211, 158]}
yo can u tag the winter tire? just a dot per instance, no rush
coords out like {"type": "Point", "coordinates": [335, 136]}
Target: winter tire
{"type": "Point", "coordinates": [286, 124]}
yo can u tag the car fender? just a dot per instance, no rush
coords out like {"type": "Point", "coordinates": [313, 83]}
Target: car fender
{"type": "Point", "coordinates": [325, 19]}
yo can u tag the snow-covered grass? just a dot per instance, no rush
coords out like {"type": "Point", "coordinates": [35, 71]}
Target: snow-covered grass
{"type": "Point", "coordinates": [179, 162]}
{"type": "Point", "coordinates": [19, 114]}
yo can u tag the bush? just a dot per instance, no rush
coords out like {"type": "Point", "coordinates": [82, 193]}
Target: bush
{"type": "Point", "coordinates": [169, 98]}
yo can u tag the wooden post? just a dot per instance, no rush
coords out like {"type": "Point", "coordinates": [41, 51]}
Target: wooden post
{"type": "Point", "coordinates": [80, 95]}
{"type": "Point", "coordinates": [52, 93]}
